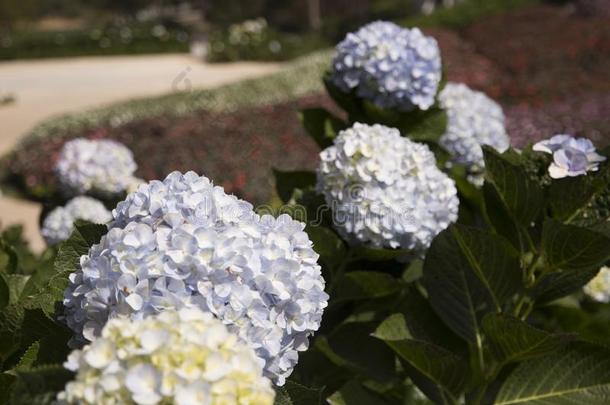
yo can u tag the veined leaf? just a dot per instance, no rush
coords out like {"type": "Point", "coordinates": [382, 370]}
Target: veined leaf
{"type": "Point", "coordinates": [357, 285]}
{"type": "Point", "coordinates": [327, 244]}
{"type": "Point", "coordinates": [578, 374]}
{"type": "Point", "coordinates": [287, 182]}
{"type": "Point", "coordinates": [29, 357]}
{"type": "Point", "coordinates": [521, 196]}
{"type": "Point", "coordinates": [441, 366]}
{"type": "Point", "coordinates": [514, 340]}
{"type": "Point", "coordinates": [569, 247]}
{"type": "Point", "coordinates": [558, 284]}
{"type": "Point", "coordinates": [296, 394]}
{"type": "Point", "coordinates": [469, 272]}
{"type": "Point", "coordinates": [353, 393]}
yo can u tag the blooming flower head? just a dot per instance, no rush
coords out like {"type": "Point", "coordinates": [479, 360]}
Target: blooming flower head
{"type": "Point", "coordinates": [385, 190]}
{"type": "Point", "coordinates": [598, 289]}
{"type": "Point", "coordinates": [473, 120]}
{"type": "Point", "coordinates": [59, 224]}
{"type": "Point", "coordinates": [183, 242]}
{"type": "Point", "coordinates": [181, 357]}
{"type": "Point", "coordinates": [102, 167]}
{"type": "Point", "coordinates": [391, 66]}
{"type": "Point", "coordinates": [571, 156]}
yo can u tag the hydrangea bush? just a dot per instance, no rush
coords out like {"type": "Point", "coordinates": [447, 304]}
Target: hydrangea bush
{"type": "Point", "coordinates": [394, 278]}
{"type": "Point", "coordinates": [181, 357]}
{"type": "Point", "coordinates": [385, 190]}
{"type": "Point", "coordinates": [185, 243]}
{"type": "Point", "coordinates": [58, 225]}
{"type": "Point", "coordinates": [99, 167]}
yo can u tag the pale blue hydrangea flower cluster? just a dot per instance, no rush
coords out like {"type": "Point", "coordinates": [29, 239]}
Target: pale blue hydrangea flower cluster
{"type": "Point", "coordinates": [598, 289]}
{"type": "Point", "coordinates": [473, 120]}
{"type": "Point", "coordinates": [571, 156]}
{"type": "Point", "coordinates": [183, 242]}
{"type": "Point", "coordinates": [183, 357]}
{"type": "Point", "coordinates": [101, 167]}
{"type": "Point", "coordinates": [385, 190]}
{"type": "Point", "coordinates": [59, 224]}
{"type": "Point", "coordinates": [391, 66]}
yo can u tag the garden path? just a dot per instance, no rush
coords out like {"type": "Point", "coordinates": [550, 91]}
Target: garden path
{"type": "Point", "coordinates": [44, 88]}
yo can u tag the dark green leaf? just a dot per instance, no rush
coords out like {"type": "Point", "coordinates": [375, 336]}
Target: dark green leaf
{"type": "Point", "coordinates": [353, 393]}
{"type": "Point", "coordinates": [296, 394]}
{"type": "Point", "coordinates": [514, 340]}
{"type": "Point", "coordinates": [348, 101]}
{"type": "Point", "coordinates": [378, 254]}
{"type": "Point", "coordinates": [571, 195]}
{"type": "Point", "coordinates": [521, 196]}
{"type": "Point", "coordinates": [51, 289]}
{"type": "Point", "coordinates": [424, 126]}
{"type": "Point", "coordinates": [40, 385]}
{"type": "Point", "coordinates": [321, 125]}
{"type": "Point", "coordinates": [8, 258]}
{"type": "Point", "coordinates": [444, 368]}
{"type": "Point", "coordinates": [287, 182]}
{"type": "Point", "coordinates": [556, 285]}
{"type": "Point", "coordinates": [327, 244]}
{"type": "Point", "coordinates": [16, 284]}
{"type": "Point", "coordinates": [353, 343]}
{"type": "Point", "coordinates": [467, 273]}
{"type": "Point", "coordinates": [5, 293]}
{"type": "Point", "coordinates": [569, 247]}
{"type": "Point", "coordinates": [359, 285]}
{"type": "Point", "coordinates": [7, 382]}
{"type": "Point", "coordinates": [577, 374]}
{"type": "Point", "coordinates": [393, 328]}
{"type": "Point", "coordinates": [29, 357]}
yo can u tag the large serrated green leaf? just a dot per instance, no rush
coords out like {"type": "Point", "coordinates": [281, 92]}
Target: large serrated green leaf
{"type": "Point", "coordinates": [44, 291]}
{"type": "Point", "coordinates": [556, 285]}
{"type": "Point", "coordinates": [469, 272]}
{"type": "Point", "coordinates": [577, 374]}
{"type": "Point", "coordinates": [514, 340]}
{"type": "Point", "coordinates": [29, 357]}
{"type": "Point", "coordinates": [569, 247]}
{"type": "Point", "coordinates": [321, 125]}
{"type": "Point", "coordinates": [521, 196]}
{"type": "Point", "coordinates": [359, 285]}
{"type": "Point", "coordinates": [39, 385]}
{"type": "Point", "coordinates": [441, 366]}
{"type": "Point", "coordinates": [293, 393]}
{"type": "Point", "coordinates": [287, 182]}
{"type": "Point", "coordinates": [353, 393]}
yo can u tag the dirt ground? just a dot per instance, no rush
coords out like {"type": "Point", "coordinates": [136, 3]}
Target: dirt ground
{"type": "Point", "coordinates": [51, 87]}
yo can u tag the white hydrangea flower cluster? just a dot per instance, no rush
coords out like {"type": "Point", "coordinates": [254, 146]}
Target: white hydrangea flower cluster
{"type": "Point", "coordinates": [103, 167]}
{"type": "Point", "coordinates": [385, 190]}
{"type": "Point", "coordinates": [571, 156]}
{"type": "Point", "coordinates": [599, 288]}
{"type": "Point", "coordinates": [391, 66]}
{"type": "Point", "coordinates": [473, 120]}
{"type": "Point", "coordinates": [59, 224]}
{"type": "Point", "coordinates": [181, 357]}
{"type": "Point", "coordinates": [185, 243]}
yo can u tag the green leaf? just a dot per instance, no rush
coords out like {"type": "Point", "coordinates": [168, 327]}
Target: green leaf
{"type": "Point", "coordinates": [578, 374]}
{"type": "Point", "coordinates": [378, 254]}
{"type": "Point", "coordinates": [571, 195]}
{"type": "Point", "coordinates": [40, 385]}
{"type": "Point", "coordinates": [424, 126]}
{"type": "Point", "coordinates": [327, 244]}
{"type": "Point", "coordinates": [287, 182]}
{"type": "Point", "coordinates": [8, 258]}
{"type": "Point", "coordinates": [393, 328]}
{"type": "Point", "coordinates": [348, 101]}
{"type": "Point", "coordinates": [514, 340]}
{"type": "Point", "coordinates": [29, 357]}
{"type": "Point", "coordinates": [321, 125]}
{"type": "Point", "coordinates": [569, 247]}
{"type": "Point", "coordinates": [556, 285]}
{"type": "Point", "coordinates": [521, 196]}
{"type": "Point", "coordinates": [353, 393]}
{"type": "Point", "coordinates": [365, 354]}
{"type": "Point", "coordinates": [467, 273]}
{"type": "Point", "coordinates": [359, 285]}
{"type": "Point", "coordinates": [5, 293]}
{"type": "Point", "coordinates": [293, 393]}
{"type": "Point", "coordinates": [54, 282]}
{"type": "Point", "coordinates": [441, 366]}
{"type": "Point", "coordinates": [7, 382]}
{"type": "Point", "coordinates": [16, 284]}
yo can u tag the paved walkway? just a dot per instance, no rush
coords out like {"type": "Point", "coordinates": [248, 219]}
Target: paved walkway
{"type": "Point", "coordinates": [44, 88]}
